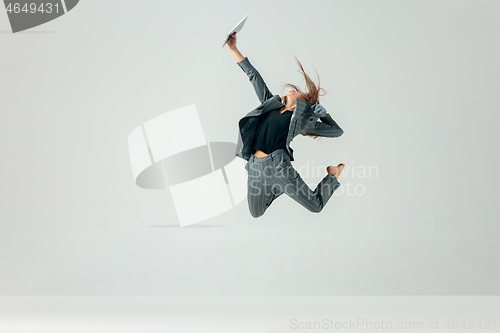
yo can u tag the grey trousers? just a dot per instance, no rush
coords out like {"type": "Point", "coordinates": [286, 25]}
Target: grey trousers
{"type": "Point", "coordinates": [272, 175]}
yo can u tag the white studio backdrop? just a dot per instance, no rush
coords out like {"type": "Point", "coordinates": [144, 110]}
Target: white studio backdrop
{"type": "Point", "coordinates": [413, 85]}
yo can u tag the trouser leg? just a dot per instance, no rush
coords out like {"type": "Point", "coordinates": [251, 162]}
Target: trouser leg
{"type": "Point", "coordinates": [260, 191]}
{"type": "Point", "coordinates": [293, 185]}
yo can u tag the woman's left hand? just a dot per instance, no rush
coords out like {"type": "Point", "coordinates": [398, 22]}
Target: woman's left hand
{"type": "Point", "coordinates": [306, 134]}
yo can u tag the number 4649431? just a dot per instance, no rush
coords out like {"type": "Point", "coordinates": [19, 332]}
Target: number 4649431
{"type": "Point", "coordinates": [32, 8]}
{"type": "Point", "coordinates": [470, 324]}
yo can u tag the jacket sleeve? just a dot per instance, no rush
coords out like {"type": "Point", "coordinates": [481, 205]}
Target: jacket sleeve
{"type": "Point", "coordinates": [327, 127]}
{"type": "Point", "coordinates": [257, 81]}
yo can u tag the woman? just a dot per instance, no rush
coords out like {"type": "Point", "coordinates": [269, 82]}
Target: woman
{"type": "Point", "coordinates": [264, 137]}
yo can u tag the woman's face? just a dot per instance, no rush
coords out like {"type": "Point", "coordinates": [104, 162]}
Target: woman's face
{"type": "Point", "coordinates": [292, 96]}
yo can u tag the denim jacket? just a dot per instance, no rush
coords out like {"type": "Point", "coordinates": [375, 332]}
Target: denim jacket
{"type": "Point", "coordinates": [304, 117]}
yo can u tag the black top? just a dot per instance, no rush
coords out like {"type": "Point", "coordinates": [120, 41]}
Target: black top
{"type": "Point", "coordinates": [272, 131]}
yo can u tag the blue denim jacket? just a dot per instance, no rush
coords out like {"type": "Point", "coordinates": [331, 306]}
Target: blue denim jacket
{"type": "Point", "coordinates": [304, 117]}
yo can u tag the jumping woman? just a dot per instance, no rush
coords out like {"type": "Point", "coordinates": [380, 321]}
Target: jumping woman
{"type": "Point", "coordinates": [264, 140]}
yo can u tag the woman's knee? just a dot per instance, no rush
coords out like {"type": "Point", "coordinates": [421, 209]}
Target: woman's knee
{"type": "Point", "coordinates": [315, 208]}
{"type": "Point", "coordinates": [258, 208]}
{"type": "Point", "coordinates": [256, 213]}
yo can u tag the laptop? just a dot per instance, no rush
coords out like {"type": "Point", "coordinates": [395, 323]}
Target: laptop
{"type": "Point", "coordinates": [236, 29]}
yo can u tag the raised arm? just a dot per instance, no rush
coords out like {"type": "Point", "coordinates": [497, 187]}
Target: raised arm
{"type": "Point", "coordinates": [254, 76]}
{"type": "Point", "coordinates": [231, 45]}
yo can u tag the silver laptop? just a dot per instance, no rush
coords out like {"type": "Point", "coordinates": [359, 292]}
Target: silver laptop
{"type": "Point", "coordinates": [236, 29]}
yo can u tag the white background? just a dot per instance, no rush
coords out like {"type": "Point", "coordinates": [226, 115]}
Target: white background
{"type": "Point", "coordinates": [413, 84]}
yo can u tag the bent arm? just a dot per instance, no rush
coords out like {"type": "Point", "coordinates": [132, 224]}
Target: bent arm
{"type": "Point", "coordinates": [327, 127]}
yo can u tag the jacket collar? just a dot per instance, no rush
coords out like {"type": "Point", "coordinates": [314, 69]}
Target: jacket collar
{"type": "Point", "coordinates": [270, 104]}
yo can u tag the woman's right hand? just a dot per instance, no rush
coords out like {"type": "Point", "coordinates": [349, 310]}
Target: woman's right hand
{"type": "Point", "coordinates": [231, 43]}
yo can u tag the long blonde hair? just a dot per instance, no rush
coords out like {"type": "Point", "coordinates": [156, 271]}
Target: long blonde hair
{"type": "Point", "coordinates": [312, 90]}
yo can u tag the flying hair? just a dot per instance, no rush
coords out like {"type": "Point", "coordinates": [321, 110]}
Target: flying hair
{"type": "Point", "coordinates": [312, 90]}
